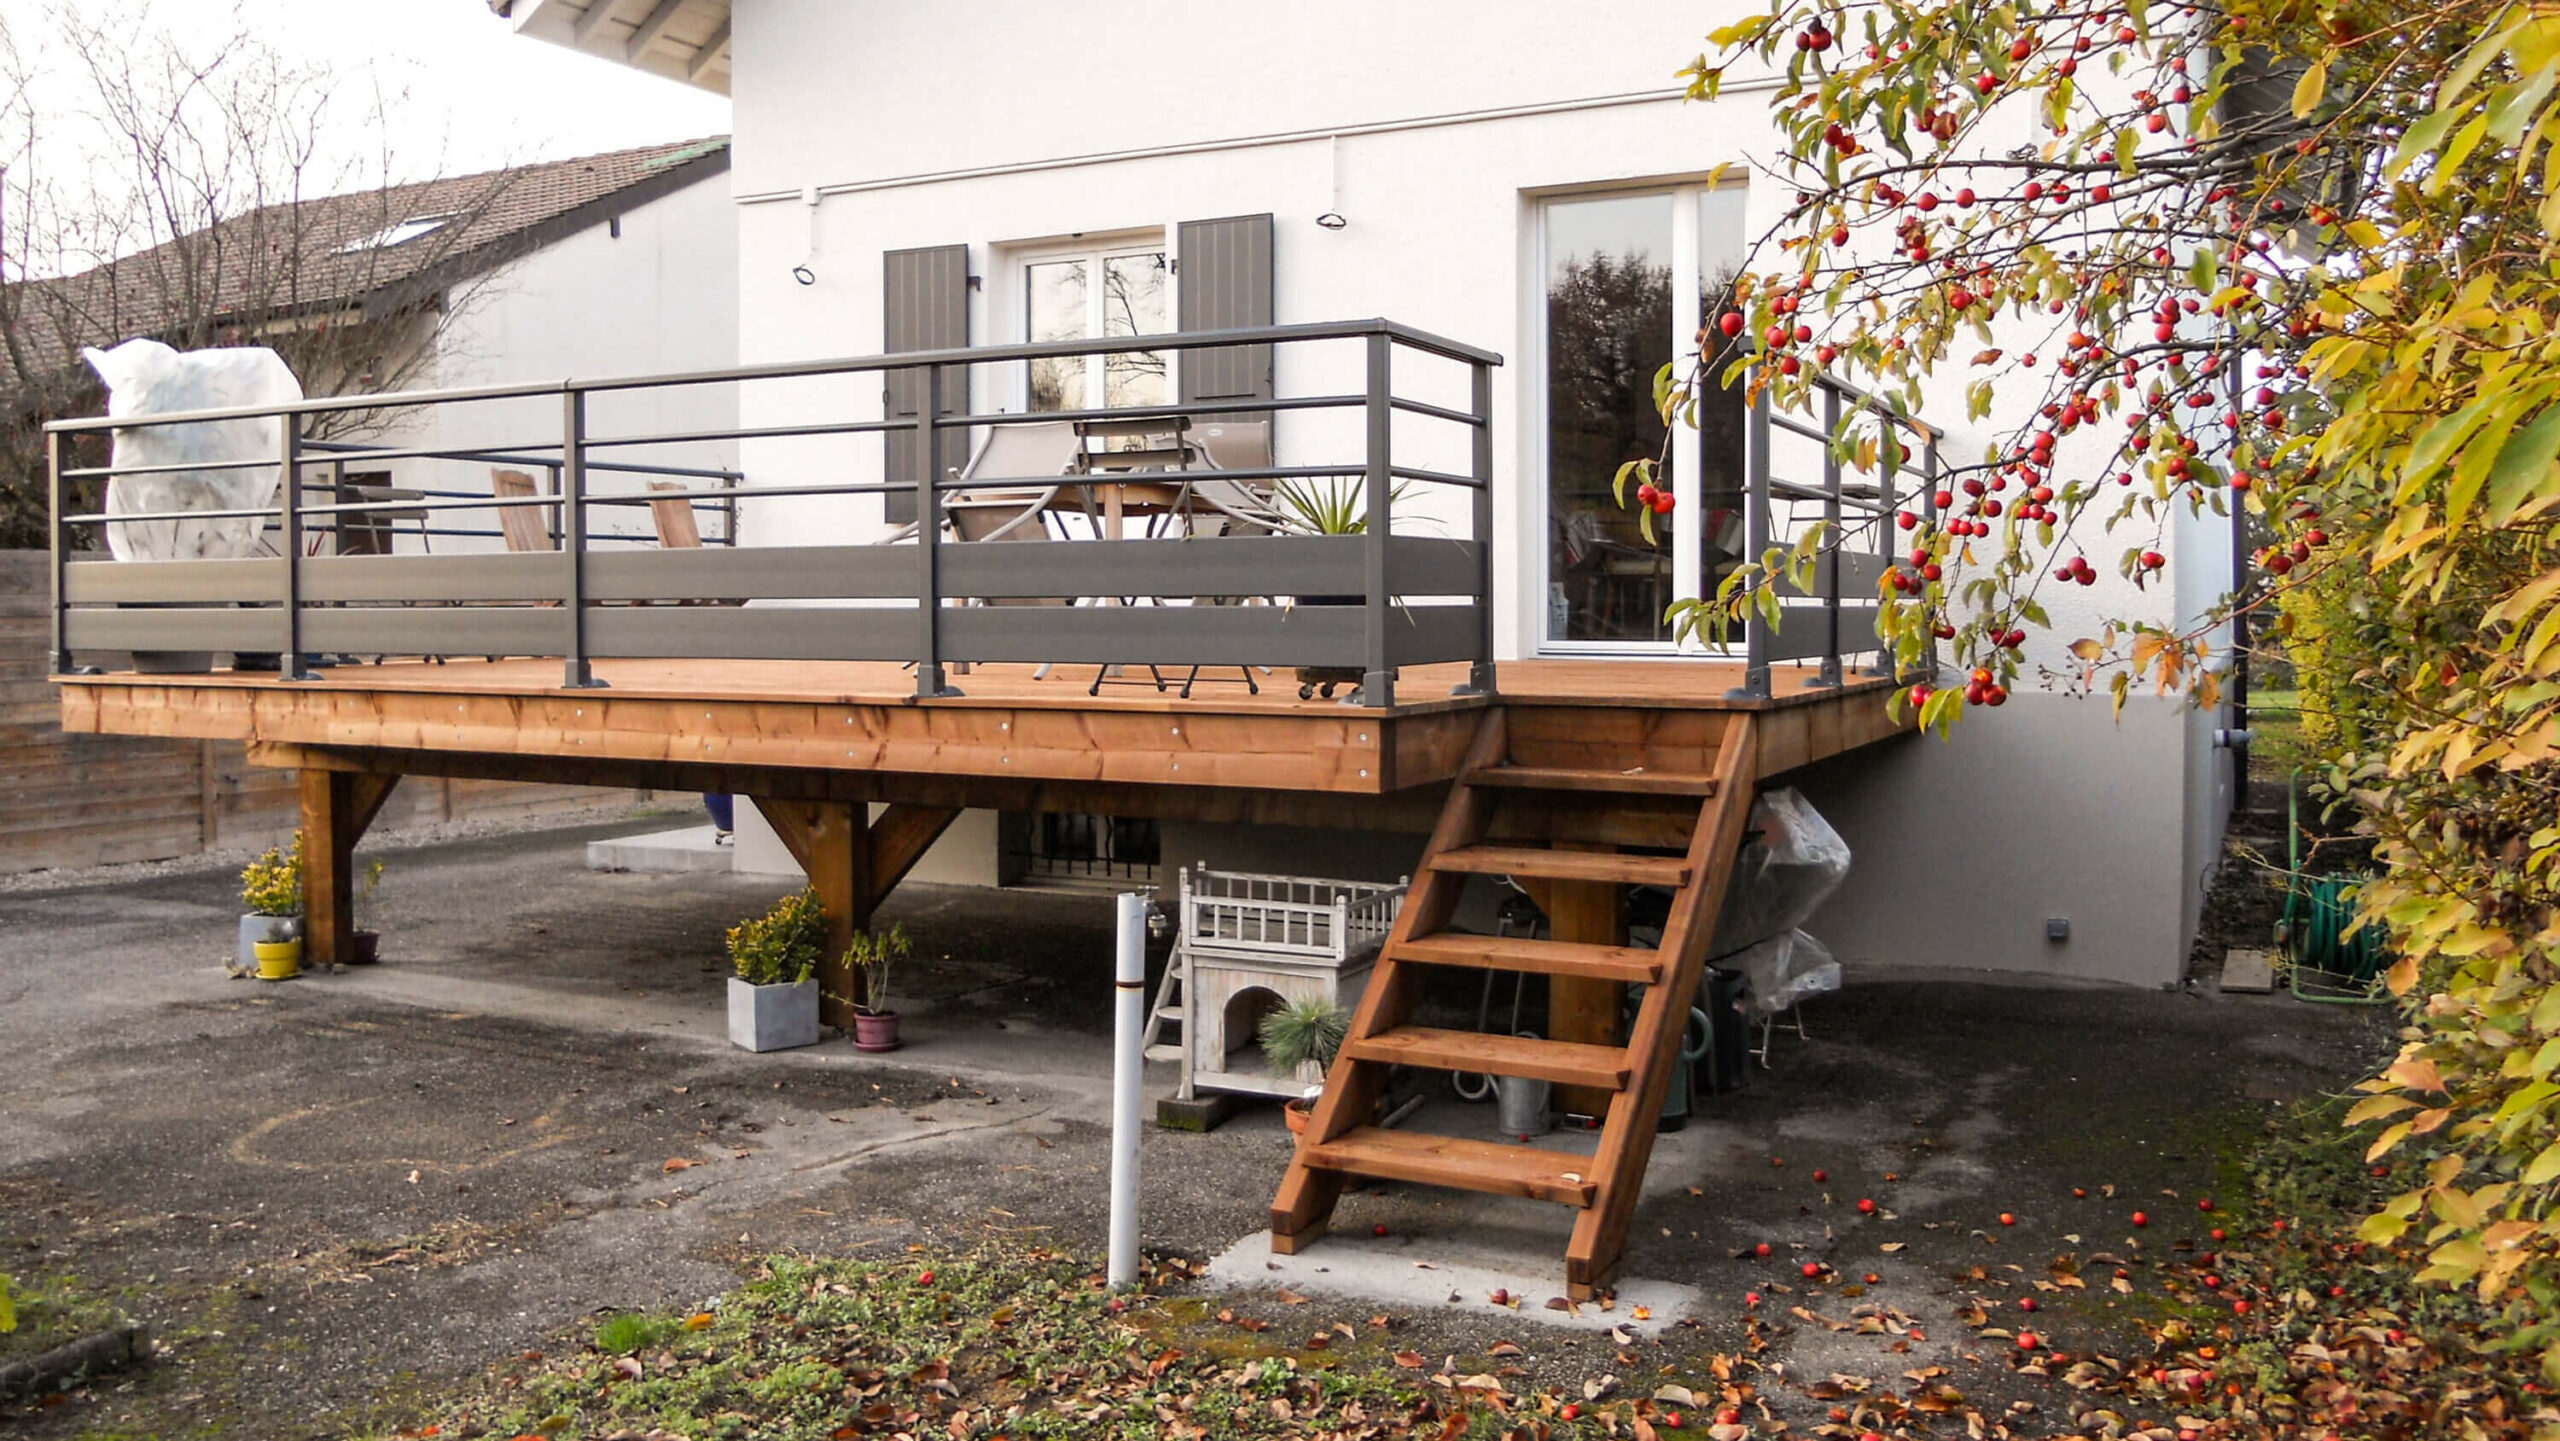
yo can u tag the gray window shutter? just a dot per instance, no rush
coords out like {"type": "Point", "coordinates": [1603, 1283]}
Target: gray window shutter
{"type": "Point", "coordinates": [927, 295]}
{"type": "Point", "coordinates": [1226, 283]}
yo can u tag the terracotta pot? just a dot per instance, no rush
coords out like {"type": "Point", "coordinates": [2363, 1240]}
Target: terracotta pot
{"type": "Point", "coordinates": [875, 1032]}
{"type": "Point", "coordinates": [1298, 1111]}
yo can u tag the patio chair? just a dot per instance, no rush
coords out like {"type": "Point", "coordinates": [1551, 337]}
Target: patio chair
{"type": "Point", "coordinates": [674, 518]}
{"type": "Point", "coordinates": [520, 525]}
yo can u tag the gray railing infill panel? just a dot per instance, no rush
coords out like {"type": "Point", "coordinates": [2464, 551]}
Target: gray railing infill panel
{"type": "Point", "coordinates": [782, 572]}
{"type": "Point", "coordinates": [1214, 565]}
{"type": "Point", "coordinates": [1805, 633]}
{"type": "Point", "coordinates": [169, 628]}
{"type": "Point", "coordinates": [1424, 634]}
{"type": "Point", "coordinates": [465, 630]}
{"type": "Point", "coordinates": [831, 632]}
{"type": "Point", "coordinates": [1860, 572]}
{"type": "Point", "coordinates": [1270, 635]}
{"type": "Point", "coordinates": [175, 582]}
{"type": "Point", "coordinates": [494, 575]}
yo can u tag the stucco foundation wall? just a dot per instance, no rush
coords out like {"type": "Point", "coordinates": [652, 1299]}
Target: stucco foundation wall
{"type": "Point", "coordinates": [1964, 847]}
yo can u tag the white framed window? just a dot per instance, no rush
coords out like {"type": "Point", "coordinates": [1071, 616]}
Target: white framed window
{"type": "Point", "coordinates": [1625, 280]}
{"type": "Point", "coordinates": [1095, 293]}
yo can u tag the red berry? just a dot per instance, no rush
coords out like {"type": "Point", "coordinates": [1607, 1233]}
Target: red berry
{"type": "Point", "coordinates": [1761, 1250]}
{"type": "Point", "coordinates": [2140, 1219]}
{"type": "Point", "coordinates": [1812, 1268]}
{"type": "Point", "coordinates": [2026, 1303]}
{"type": "Point", "coordinates": [1821, 1176]}
{"type": "Point", "coordinates": [1378, 1230]}
{"type": "Point", "coordinates": [1731, 323]}
{"type": "Point", "coordinates": [2008, 1220]}
{"type": "Point", "coordinates": [2026, 1340]}
{"type": "Point", "coordinates": [1866, 1206]}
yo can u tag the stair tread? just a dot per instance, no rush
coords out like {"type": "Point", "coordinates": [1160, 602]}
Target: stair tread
{"type": "Point", "coordinates": [1453, 1161]}
{"type": "Point", "coordinates": [1542, 958]}
{"type": "Point", "coordinates": [1564, 865]}
{"type": "Point", "coordinates": [1162, 1052]}
{"type": "Point", "coordinates": [1640, 781]}
{"type": "Point", "coordinates": [1570, 1063]}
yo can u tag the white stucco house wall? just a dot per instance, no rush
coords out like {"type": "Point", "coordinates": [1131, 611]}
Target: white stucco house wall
{"type": "Point", "coordinates": [1442, 164]}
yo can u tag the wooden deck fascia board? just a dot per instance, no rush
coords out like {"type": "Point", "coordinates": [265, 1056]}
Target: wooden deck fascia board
{"type": "Point", "coordinates": [1221, 757]}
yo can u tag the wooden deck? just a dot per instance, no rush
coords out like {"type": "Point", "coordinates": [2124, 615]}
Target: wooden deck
{"type": "Point", "coordinates": [854, 730]}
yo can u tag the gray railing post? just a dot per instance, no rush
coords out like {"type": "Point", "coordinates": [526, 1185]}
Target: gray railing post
{"type": "Point", "coordinates": [1888, 510]}
{"type": "Point", "coordinates": [1755, 543]}
{"type": "Point", "coordinates": [1378, 678]}
{"type": "Point", "coordinates": [1480, 677]}
{"type": "Point", "coordinates": [577, 671]}
{"type": "Point", "coordinates": [1827, 555]}
{"type": "Point", "coordinates": [59, 548]}
{"type": "Point", "coordinates": [289, 664]}
{"type": "Point", "coordinates": [929, 677]}
{"type": "Point", "coordinates": [1929, 524]}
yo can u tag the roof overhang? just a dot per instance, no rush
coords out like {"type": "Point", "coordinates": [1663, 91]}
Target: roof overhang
{"type": "Point", "coordinates": [685, 40]}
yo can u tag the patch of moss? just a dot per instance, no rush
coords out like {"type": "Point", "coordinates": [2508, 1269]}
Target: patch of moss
{"type": "Point", "coordinates": [53, 1310]}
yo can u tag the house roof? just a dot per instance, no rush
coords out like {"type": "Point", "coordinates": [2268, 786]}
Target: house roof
{"type": "Point", "coordinates": [353, 250]}
{"type": "Point", "coordinates": [685, 40]}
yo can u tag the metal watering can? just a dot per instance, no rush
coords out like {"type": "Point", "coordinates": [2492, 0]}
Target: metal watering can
{"type": "Point", "coordinates": [1695, 1045]}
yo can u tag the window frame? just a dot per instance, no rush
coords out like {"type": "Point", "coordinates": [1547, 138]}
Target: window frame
{"type": "Point", "coordinates": [1096, 251]}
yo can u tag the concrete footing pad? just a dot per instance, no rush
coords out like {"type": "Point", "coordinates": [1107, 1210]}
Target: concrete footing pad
{"type": "Point", "coordinates": [1438, 1273]}
{"type": "Point", "coordinates": [689, 850]}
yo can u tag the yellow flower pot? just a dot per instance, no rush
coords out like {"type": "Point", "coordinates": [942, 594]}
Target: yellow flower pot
{"type": "Point", "coordinates": [279, 960]}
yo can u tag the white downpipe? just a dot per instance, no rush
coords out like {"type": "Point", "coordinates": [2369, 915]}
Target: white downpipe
{"type": "Point", "coordinates": [1128, 1066]}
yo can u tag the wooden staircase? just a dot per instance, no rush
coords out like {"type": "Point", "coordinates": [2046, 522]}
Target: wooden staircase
{"type": "Point", "coordinates": [1530, 790]}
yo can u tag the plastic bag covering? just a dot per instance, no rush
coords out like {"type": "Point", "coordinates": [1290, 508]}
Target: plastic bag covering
{"type": "Point", "coordinates": [1792, 865]}
{"type": "Point", "coordinates": [1783, 970]}
{"type": "Point", "coordinates": [145, 377]}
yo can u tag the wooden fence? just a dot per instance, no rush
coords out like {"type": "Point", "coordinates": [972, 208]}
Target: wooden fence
{"type": "Point", "coordinates": [83, 800]}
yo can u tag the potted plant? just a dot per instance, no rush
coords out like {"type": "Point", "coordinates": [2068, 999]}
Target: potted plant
{"type": "Point", "coordinates": [271, 933]}
{"type": "Point", "coordinates": [870, 959]}
{"type": "Point", "coordinates": [1335, 506]}
{"type": "Point", "coordinates": [365, 944]}
{"type": "Point", "coordinates": [1301, 1038]}
{"type": "Point", "coordinates": [773, 998]}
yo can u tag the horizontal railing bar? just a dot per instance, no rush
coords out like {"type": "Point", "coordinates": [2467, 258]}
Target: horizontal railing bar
{"type": "Point", "coordinates": [521, 455]}
{"type": "Point", "coordinates": [1169, 411]}
{"type": "Point", "coordinates": [1434, 477]}
{"type": "Point", "coordinates": [1798, 490]}
{"type": "Point", "coordinates": [792, 370]}
{"type": "Point", "coordinates": [1436, 412]}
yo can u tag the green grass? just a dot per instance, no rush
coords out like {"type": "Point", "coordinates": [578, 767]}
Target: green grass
{"type": "Point", "coordinates": [2276, 747]}
{"type": "Point", "coordinates": [1007, 1340]}
{"type": "Point", "coordinates": [51, 1311]}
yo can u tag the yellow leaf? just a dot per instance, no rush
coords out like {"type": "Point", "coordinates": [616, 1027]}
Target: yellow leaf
{"type": "Point", "coordinates": [2374, 1108]}
{"type": "Point", "coordinates": [2088, 650]}
{"type": "Point", "coordinates": [2416, 1073]}
{"type": "Point", "coordinates": [2383, 1143]}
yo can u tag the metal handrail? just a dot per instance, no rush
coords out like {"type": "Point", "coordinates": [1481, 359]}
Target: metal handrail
{"type": "Point", "coordinates": [1387, 626]}
{"type": "Point", "coordinates": [1761, 487]}
{"type": "Point", "coordinates": [807, 369]}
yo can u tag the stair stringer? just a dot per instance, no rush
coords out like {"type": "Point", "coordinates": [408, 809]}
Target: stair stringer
{"type": "Point", "coordinates": [1306, 1198]}
{"type": "Point", "coordinates": [1599, 1239]}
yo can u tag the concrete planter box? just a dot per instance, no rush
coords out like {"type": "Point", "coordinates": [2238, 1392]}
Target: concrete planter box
{"type": "Point", "coordinates": [255, 928]}
{"type": "Point", "coordinates": [773, 1018]}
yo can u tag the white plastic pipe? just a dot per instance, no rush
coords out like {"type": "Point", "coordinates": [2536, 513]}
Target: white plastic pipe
{"type": "Point", "coordinates": [1127, 1069]}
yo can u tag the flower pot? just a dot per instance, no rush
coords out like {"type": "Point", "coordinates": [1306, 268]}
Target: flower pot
{"type": "Point", "coordinates": [1297, 1111]}
{"type": "Point", "coordinates": [256, 928]}
{"type": "Point", "coordinates": [773, 1018]}
{"type": "Point", "coordinates": [366, 947]}
{"type": "Point", "coordinates": [875, 1031]}
{"type": "Point", "coordinates": [278, 960]}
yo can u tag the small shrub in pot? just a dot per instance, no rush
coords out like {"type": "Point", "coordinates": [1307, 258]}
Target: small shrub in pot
{"type": "Point", "coordinates": [271, 893]}
{"type": "Point", "coordinates": [773, 995]}
{"type": "Point", "coordinates": [871, 958]}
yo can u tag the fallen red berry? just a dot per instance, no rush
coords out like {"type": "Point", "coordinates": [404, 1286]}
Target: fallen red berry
{"type": "Point", "coordinates": [2140, 1219]}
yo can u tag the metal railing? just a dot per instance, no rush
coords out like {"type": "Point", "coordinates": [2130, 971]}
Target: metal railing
{"type": "Point", "coordinates": [1367, 603]}
{"type": "Point", "coordinates": [1822, 620]}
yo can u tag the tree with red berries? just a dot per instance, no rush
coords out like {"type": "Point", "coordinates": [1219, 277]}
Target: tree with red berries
{"type": "Point", "coordinates": [2287, 257]}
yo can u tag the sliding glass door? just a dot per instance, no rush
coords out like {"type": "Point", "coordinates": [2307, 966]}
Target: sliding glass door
{"type": "Point", "coordinates": [1627, 281]}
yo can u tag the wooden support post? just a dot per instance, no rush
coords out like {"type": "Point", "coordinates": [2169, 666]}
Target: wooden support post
{"type": "Point", "coordinates": [854, 862]}
{"type": "Point", "coordinates": [831, 840]}
{"type": "Point", "coordinates": [1580, 1008]}
{"type": "Point", "coordinates": [336, 808]}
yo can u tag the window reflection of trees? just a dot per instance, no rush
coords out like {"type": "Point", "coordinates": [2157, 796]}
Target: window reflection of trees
{"type": "Point", "coordinates": [1608, 335]}
{"type": "Point", "coordinates": [1061, 306]}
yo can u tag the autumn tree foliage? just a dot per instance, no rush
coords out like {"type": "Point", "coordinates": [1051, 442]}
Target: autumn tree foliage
{"type": "Point", "coordinates": [2287, 257]}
